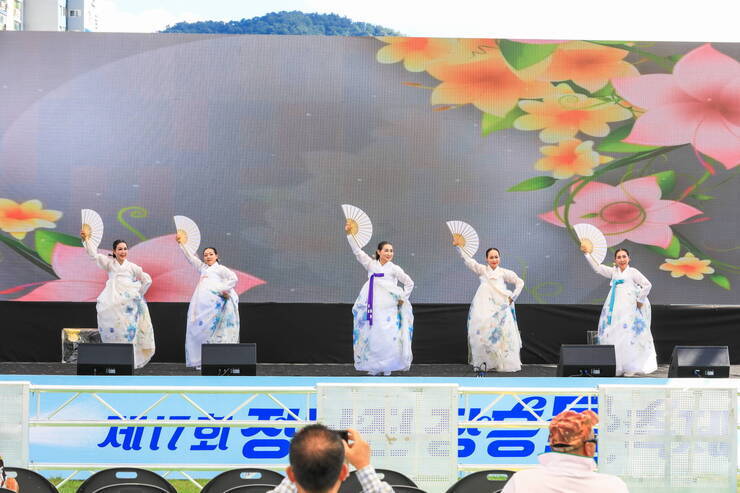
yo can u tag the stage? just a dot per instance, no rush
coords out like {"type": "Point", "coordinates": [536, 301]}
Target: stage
{"type": "Point", "coordinates": [319, 370]}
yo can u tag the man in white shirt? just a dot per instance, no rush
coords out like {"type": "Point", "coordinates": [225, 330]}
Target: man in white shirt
{"type": "Point", "coordinates": [317, 462]}
{"type": "Point", "coordinates": [570, 467]}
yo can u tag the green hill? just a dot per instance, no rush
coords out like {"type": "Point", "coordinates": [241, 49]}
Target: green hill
{"type": "Point", "coordinates": [294, 22]}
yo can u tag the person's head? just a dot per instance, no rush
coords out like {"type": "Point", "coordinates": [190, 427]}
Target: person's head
{"type": "Point", "coordinates": [622, 258]}
{"type": "Point", "coordinates": [317, 459]}
{"type": "Point", "coordinates": [120, 250]}
{"type": "Point", "coordinates": [493, 257]}
{"type": "Point", "coordinates": [573, 433]}
{"type": "Point", "coordinates": [210, 255]}
{"type": "Point", "coordinates": [384, 252]}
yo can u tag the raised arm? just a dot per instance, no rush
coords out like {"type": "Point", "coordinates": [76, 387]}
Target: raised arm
{"type": "Point", "coordinates": [643, 283]}
{"type": "Point", "coordinates": [470, 263]}
{"type": "Point", "coordinates": [512, 278]}
{"type": "Point", "coordinates": [191, 257]}
{"type": "Point", "coordinates": [408, 283]}
{"type": "Point", "coordinates": [362, 257]}
{"type": "Point", "coordinates": [103, 261]}
{"type": "Point", "coordinates": [602, 270]}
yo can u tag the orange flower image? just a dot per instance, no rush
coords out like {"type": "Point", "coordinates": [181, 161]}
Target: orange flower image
{"type": "Point", "coordinates": [570, 157]}
{"type": "Point", "coordinates": [589, 65]}
{"type": "Point", "coordinates": [20, 219]}
{"type": "Point", "coordinates": [486, 82]}
{"type": "Point", "coordinates": [416, 53]}
{"type": "Point", "coordinates": [688, 266]}
{"type": "Point", "coordinates": [566, 113]}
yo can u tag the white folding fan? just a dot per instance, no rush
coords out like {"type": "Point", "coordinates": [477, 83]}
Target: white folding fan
{"type": "Point", "coordinates": [188, 231]}
{"type": "Point", "coordinates": [361, 228]}
{"type": "Point", "coordinates": [466, 235]}
{"type": "Point", "coordinates": [594, 240]}
{"type": "Point", "coordinates": [92, 227]}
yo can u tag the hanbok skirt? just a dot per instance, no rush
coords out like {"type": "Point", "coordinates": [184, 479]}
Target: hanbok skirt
{"type": "Point", "coordinates": [494, 342]}
{"type": "Point", "coordinates": [123, 317]}
{"type": "Point", "coordinates": [212, 319]}
{"type": "Point", "coordinates": [385, 345]}
{"type": "Point", "coordinates": [628, 329]}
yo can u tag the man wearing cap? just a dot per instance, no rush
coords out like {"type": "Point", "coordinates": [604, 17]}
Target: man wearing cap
{"type": "Point", "coordinates": [570, 466]}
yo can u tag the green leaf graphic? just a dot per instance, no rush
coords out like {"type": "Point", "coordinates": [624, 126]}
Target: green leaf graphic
{"type": "Point", "coordinates": [721, 281]}
{"type": "Point", "coordinates": [666, 181]}
{"type": "Point", "coordinates": [673, 250]}
{"type": "Point", "coordinates": [613, 142]}
{"type": "Point", "coordinates": [536, 183]}
{"type": "Point", "coordinates": [491, 123]}
{"type": "Point", "coordinates": [46, 240]}
{"type": "Point", "coordinates": [523, 55]}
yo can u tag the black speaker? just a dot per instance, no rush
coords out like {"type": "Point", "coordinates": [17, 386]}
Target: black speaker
{"type": "Point", "coordinates": [700, 362]}
{"type": "Point", "coordinates": [587, 360]}
{"type": "Point", "coordinates": [105, 359]}
{"type": "Point", "coordinates": [229, 359]}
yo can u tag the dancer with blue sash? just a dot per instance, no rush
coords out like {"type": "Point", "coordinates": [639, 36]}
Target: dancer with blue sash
{"type": "Point", "coordinates": [383, 317]}
{"type": "Point", "coordinates": [625, 317]}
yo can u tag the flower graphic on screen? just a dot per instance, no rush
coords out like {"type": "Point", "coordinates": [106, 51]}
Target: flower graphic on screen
{"type": "Point", "coordinates": [173, 278]}
{"type": "Point", "coordinates": [632, 210]}
{"type": "Point", "coordinates": [416, 53]}
{"type": "Point", "coordinates": [486, 82]}
{"type": "Point", "coordinates": [570, 157]}
{"type": "Point", "coordinates": [19, 219]}
{"type": "Point", "coordinates": [698, 104]}
{"type": "Point", "coordinates": [589, 65]}
{"type": "Point", "coordinates": [564, 114]}
{"type": "Point", "coordinates": [688, 266]}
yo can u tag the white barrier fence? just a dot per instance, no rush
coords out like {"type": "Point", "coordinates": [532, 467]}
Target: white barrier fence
{"type": "Point", "coordinates": [583, 397]}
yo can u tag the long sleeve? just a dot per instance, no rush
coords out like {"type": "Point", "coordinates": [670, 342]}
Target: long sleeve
{"type": "Point", "coordinates": [602, 270]}
{"type": "Point", "coordinates": [191, 258]}
{"type": "Point", "coordinates": [228, 278]}
{"type": "Point", "coordinates": [370, 481]}
{"type": "Point", "coordinates": [408, 283]}
{"type": "Point", "coordinates": [103, 261]}
{"type": "Point", "coordinates": [471, 264]}
{"type": "Point", "coordinates": [362, 257]}
{"type": "Point", "coordinates": [144, 278]}
{"type": "Point", "coordinates": [512, 278]}
{"type": "Point", "coordinates": [286, 486]}
{"type": "Point", "coordinates": [644, 284]}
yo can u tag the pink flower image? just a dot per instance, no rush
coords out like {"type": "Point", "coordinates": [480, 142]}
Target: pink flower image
{"type": "Point", "coordinates": [632, 210]}
{"type": "Point", "coordinates": [699, 104]}
{"type": "Point", "coordinates": [173, 278]}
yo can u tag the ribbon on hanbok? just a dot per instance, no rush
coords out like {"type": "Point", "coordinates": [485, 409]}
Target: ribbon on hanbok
{"type": "Point", "coordinates": [370, 297]}
{"type": "Point", "coordinates": [611, 300]}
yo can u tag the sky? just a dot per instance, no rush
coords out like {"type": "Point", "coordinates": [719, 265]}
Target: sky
{"type": "Point", "coordinates": [648, 20]}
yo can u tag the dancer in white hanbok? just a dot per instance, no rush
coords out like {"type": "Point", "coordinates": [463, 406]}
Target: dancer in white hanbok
{"type": "Point", "coordinates": [213, 315]}
{"type": "Point", "coordinates": [123, 315]}
{"type": "Point", "coordinates": [383, 317]}
{"type": "Point", "coordinates": [493, 335]}
{"type": "Point", "coordinates": [625, 317]}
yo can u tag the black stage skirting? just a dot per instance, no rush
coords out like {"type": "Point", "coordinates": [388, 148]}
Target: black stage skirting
{"type": "Point", "coordinates": [322, 333]}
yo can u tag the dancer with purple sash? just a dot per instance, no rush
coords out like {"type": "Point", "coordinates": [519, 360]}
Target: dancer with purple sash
{"type": "Point", "coordinates": [383, 317]}
{"type": "Point", "coordinates": [625, 317]}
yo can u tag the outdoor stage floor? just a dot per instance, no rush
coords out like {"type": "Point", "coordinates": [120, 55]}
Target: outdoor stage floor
{"type": "Point", "coordinates": [313, 370]}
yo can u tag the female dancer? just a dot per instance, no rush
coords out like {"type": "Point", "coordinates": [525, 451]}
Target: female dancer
{"type": "Point", "coordinates": [213, 315]}
{"type": "Point", "coordinates": [493, 335]}
{"type": "Point", "coordinates": [123, 316]}
{"type": "Point", "coordinates": [625, 318]}
{"type": "Point", "coordinates": [383, 320]}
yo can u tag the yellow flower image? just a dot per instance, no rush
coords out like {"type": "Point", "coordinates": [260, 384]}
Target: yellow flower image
{"type": "Point", "coordinates": [416, 53]}
{"type": "Point", "coordinates": [486, 82]}
{"type": "Point", "coordinates": [566, 113]}
{"type": "Point", "coordinates": [589, 65]}
{"type": "Point", "coordinates": [688, 266]}
{"type": "Point", "coordinates": [570, 157]}
{"type": "Point", "coordinates": [20, 219]}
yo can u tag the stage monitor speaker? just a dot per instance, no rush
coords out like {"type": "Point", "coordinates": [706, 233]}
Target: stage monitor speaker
{"type": "Point", "coordinates": [700, 362]}
{"type": "Point", "coordinates": [587, 360]}
{"type": "Point", "coordinates": [105, 359]}
{"type": "Point", "coordinates": [229, 359]}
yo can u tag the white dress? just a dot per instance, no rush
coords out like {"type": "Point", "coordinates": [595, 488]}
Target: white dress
{"type": "Point", "coordinates": [382, 332]}
{"type": "Point", "coordinates": [123, 316]}
{"type": "Point", "coordinates": [212, 318]}
{"type": "Point", "coordinates": [625, 325]}
{"type": "Point", "coordinates": [493, 335]}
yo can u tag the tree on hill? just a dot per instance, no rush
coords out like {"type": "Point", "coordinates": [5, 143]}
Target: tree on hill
{"type": "Point", "coordinates": [294, 22]}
